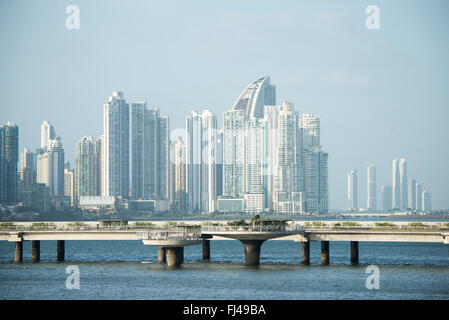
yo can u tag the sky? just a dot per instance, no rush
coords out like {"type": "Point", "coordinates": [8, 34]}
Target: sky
{"type": "Point", "coordinates": [380, 93]}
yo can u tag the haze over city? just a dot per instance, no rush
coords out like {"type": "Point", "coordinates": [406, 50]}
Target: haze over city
{"type": "Point", "coordinates": [380, 93]}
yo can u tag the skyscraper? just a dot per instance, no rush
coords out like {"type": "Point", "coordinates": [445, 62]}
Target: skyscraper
{"type": "Point", "coordinates": [419, 197]}
{"type": "Point", "coordinates": [9, 156]}
{"type": "Point", "coordinates": [86, 168]}
{"type": "Point", "coordinates": [412, 194]}
{"type": "Point", "coordinates": [352, 190]}
{"type": "Point", "coordinates": [116, 146]}
{"type": "Point", "coordinates": [201, 161]}
{"type": "Point", "coordinates": [403, 183]}
{"type": "Point", "coordinates": [178, 175]}
{"type": "Point", "coordinates": [150, 153]}
{"type": "Point", "coordinates": [27, 172]}
{"type": "Point", "coordinates": [56, 167]}
{"type": "Point", "coordinates": [396, 185]}
{"type": "Point", "coordinates": [233, 153]}
{"type": "Point", "coordinates": [314, 165]}
{"type": "Point", "coordinates": [47, 134]}
{"type": "Point", "coordinates": [426, 205]}
{"type": "Point", "coordinates": [254, 97]}
{"type": "Point", "coordinates": [371, 187]}
{"type": "Point", "coordinates": [387, 200]}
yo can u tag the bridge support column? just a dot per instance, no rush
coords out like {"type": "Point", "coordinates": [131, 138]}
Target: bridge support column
{"type": "Point", "coordinates": [181, 255]}
{"type": "Point", "coordinates": [305, 257]}
{"type": "Point", "coordinates": [354, 252]}
{"type": "Point", "coordinates": [252, 251]}
{"type": "Point", "coordinates": [206, 250]}
{"type": "Point", "coordinates": [60, 250]}
{"type": "Point", "coordinates": [173, 256]}
{"type": "Point", "coordinates": [35, 250]}
{"type": "Point", "coordinates": [18, 252]}
{"type": "Point", "coordinates": [161, 255]}
{"type": "Point", "coordinates": [324, 252]}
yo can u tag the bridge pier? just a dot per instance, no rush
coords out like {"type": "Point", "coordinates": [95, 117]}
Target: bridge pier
{"type": "Point", "coordinates": [325, 253]}
{"type": "Point", "coordinates": [174, 256]}
{"type": "Point", "coordinates": [206, 249]}
{"type": "Point", "coordinates": [252, 251]}
{"type": "Point", "coordinates": [181, 255]}
{"type": "Point", "coordinates": [161, 255]}
{"type": "Point", "coordinates": [60, 250]}
{"type": "Point", "coordinates": [305, 256]}
{"type": "Point", "coordinates": [35, 250]}
{"type": "Point", "coordinates": [18, 252]}
{"type": "Point", "coordinates": [354, 252]}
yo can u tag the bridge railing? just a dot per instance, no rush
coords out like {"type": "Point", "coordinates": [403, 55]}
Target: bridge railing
{"type": "Point", "coordinates": [168, 235]}
{"type": "Point", "coordinates": [377, 228]}
{"type": "Point", "coordinates": [253, 228]}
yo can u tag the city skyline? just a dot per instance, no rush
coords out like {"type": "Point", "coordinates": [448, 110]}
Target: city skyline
{"type": "Point", "coordinates": [303, 53]}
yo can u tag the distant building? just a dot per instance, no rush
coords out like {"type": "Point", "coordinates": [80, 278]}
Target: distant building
{"type": "Point", "coordinates": [371, 188]}
{"type": "Point", "coordinates": [403, 183]}
{"type": "Point", "coordinates": [36, 196]}
{"type": "Point", "coordinates": [419, 192]}
{"type": "Point", "coordinates": [412, 194]}
{"type": "Point", "coordinates": [387, 197]}
{"type": "Point", "coordinates": [69, 185]}
{"type": "Point", "coordinates": [178, 175]}
{"type": "Point", "coordinates": [116, 147]}
{"type": "Point", "coordinates": [47, 134]}
{"type": "Point", "coordinates": [352, 191]}
{"type": "Point", "coordinates": [150, 153]}
{"type": "Point", "coordinates": [426, 205]}
{"type": "Point", "coordinates": [9, 157]}
{"type": "Point", "coordinates": [201, 168]}
{"type": "Point", "coordinates": [396, 192]}
{"type": "Point", "coordinates": [86, 168]}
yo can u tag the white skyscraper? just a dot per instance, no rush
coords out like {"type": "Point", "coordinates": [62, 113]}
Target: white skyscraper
{"type": "Point", "coordinates": [201, 166]}
{"type": "Point", "coordinates": [234, 153]}
{"type": "Point", "coordinates": [178, 175]}
{"type": "Point", "coordinates": [116, 147]}
{"type": "Point", "coordinates": [426, 205]}
{"type": "Point", "coordinates": [419, 197]}
{"type": "Point", "coordinates": [403, 184]}
{"type": "Point", "coordinates": [47, 134]}
{"type": "Point", "coordinates": [314, 165]}
{"type": "Point", "coordinates": [352, 191]}
{"type": "Point", "coordinates": [371, 187]}
{"type": "Point", "coordinates": [56, 167]}
{"type": "Point", "coordinates": [396, 185]}
{"type": "Point", "coordinates": [412, 194]}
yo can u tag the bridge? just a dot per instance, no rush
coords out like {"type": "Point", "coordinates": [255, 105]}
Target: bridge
{"type": "Point", "coordinates": [171, 240]}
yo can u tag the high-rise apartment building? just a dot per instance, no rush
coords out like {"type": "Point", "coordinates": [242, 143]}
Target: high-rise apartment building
{"type": "Point", "coordinates": [426, 205]}
{"type": "Point", "coordinates": [86, 168]}
{"type": "Point", "coordinates": [412, 194]}
{"type": "Point", "coordinates": [419, 191]}
{"type": "Point", "coordinates": [55, 167]}
{"type": "Point", "coordinates": [47, 134]}
{"type": "Point", "coordinates": [178, 175]}
{"type": "Point", "coordinates": [352, 191]}
{"type": "Point", "coordinates": [234, 153]}
{"type": "Point", "coordinates": [9, 157]}
{"type": "Point", "coordinates": [201, 160]}
{"type": "Point", "coordinates": [396, 192]}
{"type": "Point", "coordinates": [403, 184]}
{"type": "Point", "coordinates": [150, 153]}
{"type": "Point", "coordinates": [371, 188]}
{"type": "Point", "coordinates": [116, 147]}
{"type": "Point", "coordinates": [387, 197]}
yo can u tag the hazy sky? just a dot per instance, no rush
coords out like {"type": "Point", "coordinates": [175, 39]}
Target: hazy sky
{"type": "Point", "coordinates": [381, 94]}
